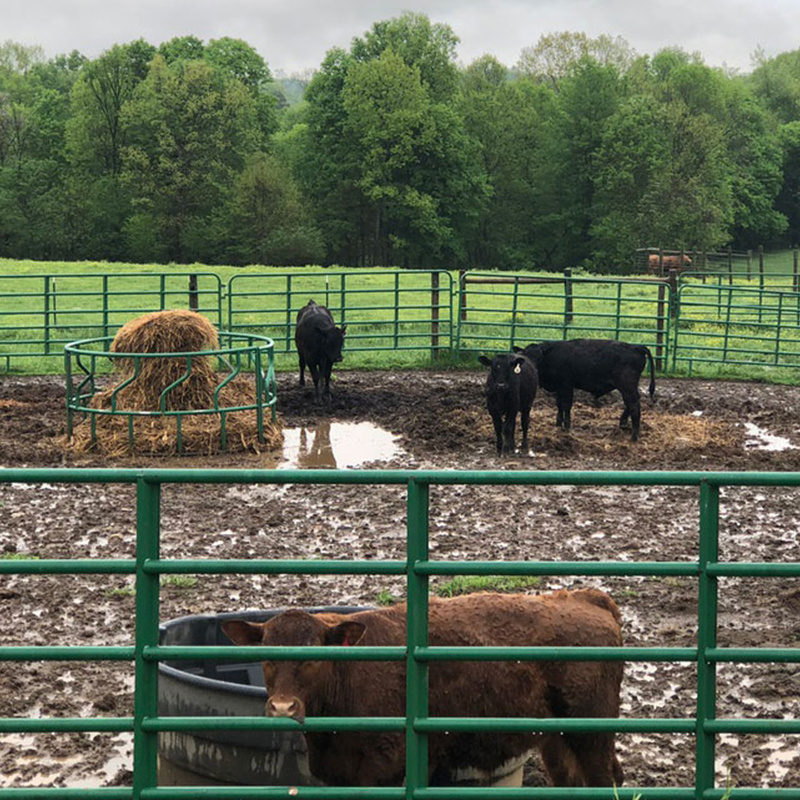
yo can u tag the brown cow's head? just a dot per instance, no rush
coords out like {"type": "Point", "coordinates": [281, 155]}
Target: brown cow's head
{"type": "Point", "coordinates": [294, 687]}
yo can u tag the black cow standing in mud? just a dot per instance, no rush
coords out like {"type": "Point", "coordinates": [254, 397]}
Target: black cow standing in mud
{"type": "Point", "coordinates": [597, 366]}
{"type": "Point", "coordinates": [319, 345]}
{"type": "Point", "coordinates": [510, 390]}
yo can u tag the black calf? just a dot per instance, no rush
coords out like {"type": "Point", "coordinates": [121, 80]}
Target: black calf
{"type": "Point", "coordinates": [510, 389]}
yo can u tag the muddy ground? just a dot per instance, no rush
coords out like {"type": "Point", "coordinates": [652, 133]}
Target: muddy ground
{"type": "Point", "coordinates": [440, 422]}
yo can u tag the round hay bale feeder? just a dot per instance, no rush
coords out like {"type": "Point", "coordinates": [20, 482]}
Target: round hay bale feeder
{"type": "Point", "coordinates": [222, 688]}
{"type": "Point", "coordinates": [181, 387]}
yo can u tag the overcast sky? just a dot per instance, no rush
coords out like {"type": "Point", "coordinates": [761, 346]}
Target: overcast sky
{"type": "Point", "coordinates": [294, 36]}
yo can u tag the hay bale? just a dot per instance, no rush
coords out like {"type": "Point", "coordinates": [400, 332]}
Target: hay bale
{"type": "Point", "coordinates": [177, 331]}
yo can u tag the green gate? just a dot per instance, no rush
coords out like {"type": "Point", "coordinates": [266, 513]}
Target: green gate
{"type": "Point", "coordinates": [729, 324]}
{"type": "Point", "coordinates": [496, 311]}
{"type": "Point", "coordinates": [418, 566]}
{"type": "Point", "coordinates": [383, 309]}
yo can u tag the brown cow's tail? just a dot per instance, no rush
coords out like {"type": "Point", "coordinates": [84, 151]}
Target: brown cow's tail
{"type": "Point", "coordinates": [599, 598]}
{"type": "Point", "coordinates": [649, 355]}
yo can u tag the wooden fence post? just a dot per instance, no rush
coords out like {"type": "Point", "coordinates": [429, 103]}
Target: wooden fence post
{"type": "Point", "coordinates": [193, 298]}
{"type": "Point", "coordinates": [795, 283]}
{"type": "Point", "coordinates": [462, 287]}
{"type": "Point", "coordinates": [730, 265]}
{"type": "Point", "coordinates": [673, 288]}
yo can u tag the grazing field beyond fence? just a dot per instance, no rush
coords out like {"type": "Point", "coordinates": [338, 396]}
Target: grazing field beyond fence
{"type": "Point", "coordinates": [714, 323]}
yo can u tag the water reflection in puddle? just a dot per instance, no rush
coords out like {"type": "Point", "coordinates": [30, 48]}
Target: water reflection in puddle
{"type": "Point", "coordinates": [337, 445]}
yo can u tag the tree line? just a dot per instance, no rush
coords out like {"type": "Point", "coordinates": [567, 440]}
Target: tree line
{"type": "Point", "coordinates": [395, 155]}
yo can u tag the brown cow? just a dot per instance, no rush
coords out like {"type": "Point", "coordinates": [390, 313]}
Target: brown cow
{"type": "Point", "coordinates": [680, 262]}
{"type": "Point", "coordinates": [586, 617]}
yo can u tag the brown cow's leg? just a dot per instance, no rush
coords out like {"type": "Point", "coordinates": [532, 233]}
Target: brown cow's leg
{"type": "Point", "coordinates": [597, 758]}
{"type": "Point", "coordinates": [560, 762]}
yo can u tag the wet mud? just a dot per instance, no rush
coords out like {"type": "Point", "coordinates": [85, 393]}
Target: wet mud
{"type": "Point", "coordinates": [416, 420]}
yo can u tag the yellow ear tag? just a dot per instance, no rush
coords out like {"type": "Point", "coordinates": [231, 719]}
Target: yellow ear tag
{"type": "Point", "coordinates": [517, 369]}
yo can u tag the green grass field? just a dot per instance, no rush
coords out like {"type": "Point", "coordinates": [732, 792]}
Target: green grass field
{"type": "Point", "coordinates": [390, 314]}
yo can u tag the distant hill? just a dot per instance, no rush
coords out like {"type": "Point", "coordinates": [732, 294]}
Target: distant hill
{"type": "Point", "coordinates": [289, 89]}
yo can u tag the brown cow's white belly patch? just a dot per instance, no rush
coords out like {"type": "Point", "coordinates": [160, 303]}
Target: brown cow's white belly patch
{"type": "Point", "coordinates": [507, 774]}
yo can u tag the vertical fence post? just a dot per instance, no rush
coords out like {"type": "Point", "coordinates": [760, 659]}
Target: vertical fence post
{"type": "Point", "coordinates": [567, 299]}
{"type": "Point", "coordinates": [105, 305]}
{"type": "Point", "coordinates": [145, 702]}
{"type": "Point", "coordinates": [749, 263]}
{"type": "Point", "coordinates": [795, 284]}
{"type": "Point", "coordinates": [47, 314]}
{"type": "Point", "coordinates": [435, 314]}
{"type": "Point", "coordinates": [673, 288]}
{"type": "Point", "coordinates": [778, 330]}
{"type": "Point", "coordinates": [462, 286]}
{"type": "Point", "coordinates": [417, 636]}
{"type": "Point", "coordinates": [514, 306]}
{"type": "Point", "coordinates": [706, 638]}
{"type": "Point", "coordinates": [193, 298]}
{"type": "Point", "coordinates": [660, 325]}
{"type": "Point", "coordinates": [396, 308]}
{"type": "Point", "coordinates": [288, 312]}
{"type": "Point", "coordinates": [727, 326]}
{"type": "Point", "coordinates": [760, 279]}
{"type": "Point", "coordinates": [343, 295]}
{"type": "Point", "coordinates": [162, 292]}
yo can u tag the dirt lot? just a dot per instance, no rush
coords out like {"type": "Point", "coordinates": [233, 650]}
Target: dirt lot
{"type": "Point", "coordinates": [440, 422]}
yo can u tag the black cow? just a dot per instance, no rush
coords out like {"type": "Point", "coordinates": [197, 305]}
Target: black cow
{"type": "Point", "coordinates": [597, 366]}
{"type": "Point", "coordinates": [510, 390]}
{"type": "Point", "coordinates": [319, 344]}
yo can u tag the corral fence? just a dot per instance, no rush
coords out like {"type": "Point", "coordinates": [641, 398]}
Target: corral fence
{"type": "Point", "coordinates": [687, 318]}
{"type": "Point", "coordinates": [737, 325]}
{"type": "Point", "coordinates": [145, 652]}
{"type": "Point", "coordinates": [498, 311]}
{"type": "Point", "coordinates": [383, 310]}
{"type": "Point", "coordinates": [39, 314]}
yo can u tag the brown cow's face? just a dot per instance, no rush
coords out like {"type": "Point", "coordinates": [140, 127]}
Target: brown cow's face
{"type": "Point", "coordinates": [295, 686]}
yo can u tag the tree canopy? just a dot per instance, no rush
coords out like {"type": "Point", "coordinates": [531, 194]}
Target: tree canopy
{"type": "Point", "coordinates": [393, 153]}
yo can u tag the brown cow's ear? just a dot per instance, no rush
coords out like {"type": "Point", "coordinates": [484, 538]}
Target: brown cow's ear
{"type": "Point", "coordinates": [345, 633]}
{"type": "Point", "coordinates": [241, 632]}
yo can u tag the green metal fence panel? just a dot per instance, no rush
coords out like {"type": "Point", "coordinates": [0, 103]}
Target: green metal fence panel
{"type": "Point", "coordinates": [418, 566]}
{"type": "Point", "coordinates": [730, 324]}
{"type": "Point", "coordinates": [496, 311]}
{"type": "Point", "coordinates": [383, 309]}
{"type": "Point", "coordinates": [725, 317]}
{"type": "Point", "coordinates": [41, 313]}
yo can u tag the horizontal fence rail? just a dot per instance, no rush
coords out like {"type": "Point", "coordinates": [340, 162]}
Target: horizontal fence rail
{"type": "Point", "coordinates": [418, 566]}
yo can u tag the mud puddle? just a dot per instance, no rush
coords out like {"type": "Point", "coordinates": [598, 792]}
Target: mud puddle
{"type": "Point", "coordinates": [337, 445]}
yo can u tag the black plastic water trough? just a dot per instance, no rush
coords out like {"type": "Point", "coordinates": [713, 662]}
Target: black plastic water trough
{"type": "Point", "coordinates": [223, 688]}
